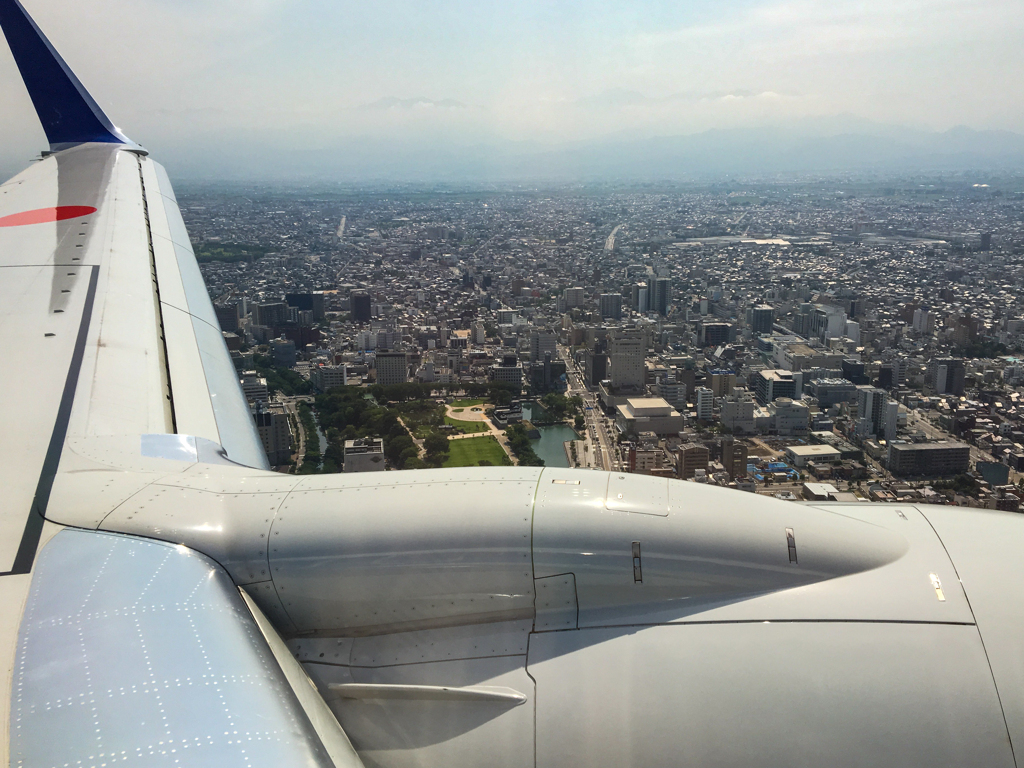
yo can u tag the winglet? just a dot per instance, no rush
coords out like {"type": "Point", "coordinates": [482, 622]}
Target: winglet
{"type": "Point", "coordinates": [70, 116]}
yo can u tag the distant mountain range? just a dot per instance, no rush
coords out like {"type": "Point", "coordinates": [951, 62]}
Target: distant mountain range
{"type": "Point", "coordinates": [839, 145]}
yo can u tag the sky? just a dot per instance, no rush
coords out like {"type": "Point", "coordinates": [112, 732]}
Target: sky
{"type": "Point", "coordinates": [190, 77]}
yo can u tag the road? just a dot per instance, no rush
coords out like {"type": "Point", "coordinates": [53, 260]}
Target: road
{"type": "Point", "coordinates": [609, 244]}
{"type": "Point", "coordinates": [936, 433]}
{"type": "Point", "coordinates": [596, 424]}
{"type": "Point", "coordinates": [295, 423]}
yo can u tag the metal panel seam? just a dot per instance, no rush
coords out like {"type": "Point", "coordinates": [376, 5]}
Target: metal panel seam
{"type": "Point", "coordinates": [981, 638]}
{"type": "Point", "coordinates": [37, 513]}
{"type": "Point", "coordinates": [159, 306]}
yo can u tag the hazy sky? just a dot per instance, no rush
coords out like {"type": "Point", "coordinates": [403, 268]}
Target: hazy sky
{"type": "Point", "coordinates": [310, 73]}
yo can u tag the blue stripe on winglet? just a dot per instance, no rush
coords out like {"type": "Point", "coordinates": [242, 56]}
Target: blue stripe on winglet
{"type": "Point", "coordinates": [68, 113]}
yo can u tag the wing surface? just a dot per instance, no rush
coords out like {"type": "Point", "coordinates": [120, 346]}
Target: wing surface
{"type": "Point", "coordinates": [103, 311]}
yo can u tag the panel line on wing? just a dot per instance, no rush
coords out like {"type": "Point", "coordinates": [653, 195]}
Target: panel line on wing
{"type": "Point", "coordinates": [37, 512]}
{"type": "Point", "coordinates": [165, 365]}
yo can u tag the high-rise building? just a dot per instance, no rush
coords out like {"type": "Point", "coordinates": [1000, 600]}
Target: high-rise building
{"type": "Point", "coordinates": [734, 457]}
{"type": "Point", "coordinates": [704, 399]}
{"type": "Point", "coordinates": [690, 457]}
{"type": "Point", "coordinates": [662, 295]}
{"type": "Point", "coordinates": [542, 343]}
{"type": "Point", "coordinates": [283, 352]}
{"type": "Point", "coordinates": [772, 384]}
{"type": "Point", "coordinates": [596, 364]}
{"type": "Point", "coordinates": [308, 302]}
{"type": "Point", "coordinates": [946, 375]}
{"type": "Point", "coordinates": [672, 390]}
{"type": "Point", "coordinates": [361, 307]}
{"type": "Point", "coordinates": [508, 371]}
{"type": "Point", "coordinates": [227, 316]}
{"type": "Point", "coordinates": [627, 351]}
{"type": "Point", "coordinates": [272, 426]}
{"type": "Point", "coordinates": [392, 368]}
{"type": "Point", "coordinates": [853, 370]}
{"type": "Point", "coordinates": [479, 334]}
{"type": "Point", "coordinates": [762, 318]}
{"type": "Point", "coordinates": [610, 306]}
{"type": "Point", "coordinates": [738, 414]}
{"type": "Point", "coordinates": [641, 298]}
{"type": "Point", "coordinates": [721, 382]}
{"type": "Point", "coordinates": [715, 334]}
{"type": "Point", "coordinates": [924, 321]}
{"type": "Point", "coordinates": [790, 417]}
{"type": "Point", "coordinates": [271, 314]}
{"type": "Point", "coordinates": [325, 377]}
{"type": "Point", "coordinates": [574, 297]}
{"type": "Point", "coordinates": [254, 387]}
{"type": "Point", "coordinates": [829, 392]}
{"type": "Point", "coordinates": [892, 417]}
{"type": "Point", "coordinates": [871, 402]}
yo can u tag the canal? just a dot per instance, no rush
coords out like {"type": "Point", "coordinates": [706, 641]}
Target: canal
{"type": "Point", "coordinates": [550, 447]}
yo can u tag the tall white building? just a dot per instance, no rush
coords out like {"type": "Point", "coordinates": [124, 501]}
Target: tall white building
{"type": "Point", "coordinates": [738, 414]}
{"type": "Point", "coordinates": [479, 333]}
{"type": "Point", "coordinates": [542, 342]}
{"type": "Point", "coordinates": [626, 354]}
{"type": "Point", "coordinates": [254, 387]}
{"type": "Point", "coordinates": [705, 401]}
{"type": "Point", "coordinates": [791, 417]}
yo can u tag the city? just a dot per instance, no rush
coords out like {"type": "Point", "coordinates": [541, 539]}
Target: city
{"type": "Point", "coordinates": [818, 338]}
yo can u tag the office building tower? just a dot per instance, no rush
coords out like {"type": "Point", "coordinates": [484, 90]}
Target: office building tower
{"type": "Point", "coordinates": [762, 318]}
{"type": "Point", "coordinates": [227, 316]}
{"type": "Point", "coordinates": [392, 368]}
{"type": "Point", "coordinates": [626, 352]}
{"type": "Point", "coordinates": [871, 413]}
{"type": "Point", "coordinates": [691, 457]}
{"type": "Point", "coordinates": [734, 457]}
{"type": "Point", "coordinates": [640, 298]}
{"type": "Point", "coordinates": [479, 333]}
{"type": "Point", "coordinates": [542, 343]}
{"type": "Point", "coordinates": [715, 334]}
{"type": "Point", "coordinates": [283, 352]}
{"type": "Point", "coordinates": [772, 384]}
{"type": "Point", "coordinates": [662, 296]}
{"type": "Point", "coordinates": [364, 455]}
{"type": "Point", "coordinates": [596, 364]}
{"type": "Point", "coordinates": [610, 306]}
{"type": "Point", "coordinates": [274, 433]}
{"type": "Point", "coordinates": [704, 400]}
{"type": "Point", "coordinates": [574, 297]}
{"type": "Point", "coordinates": [892, 417]}
{"type": "Point", "coordinates": [361, 307]}
{"type": "Point", "coordinates": [271, 314]}
{"type": "Point", "coordinates": [946, 375]}
{"type": "Point", "coordinates": [721, 382]}
{"type": "Point", "coordinates": [853, 370]}
{"type": "Point", "coordinates": [508, 371]}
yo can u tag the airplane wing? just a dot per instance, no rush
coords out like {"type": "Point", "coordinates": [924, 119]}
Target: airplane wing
{"type": "Point", "coordinates": [167, 600]}
{"type": "Point", "coordinates": [119, 650]}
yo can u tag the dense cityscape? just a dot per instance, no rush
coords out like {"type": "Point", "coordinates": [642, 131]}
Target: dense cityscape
{"type": "Point", "coordinates": [817, 339]}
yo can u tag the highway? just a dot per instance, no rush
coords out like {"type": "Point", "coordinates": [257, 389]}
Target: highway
{"type": "Point", "coordinates": [596, 425]}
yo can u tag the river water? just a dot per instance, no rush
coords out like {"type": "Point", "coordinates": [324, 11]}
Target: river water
{"type": "Point", "coordinates": [550, 447]}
